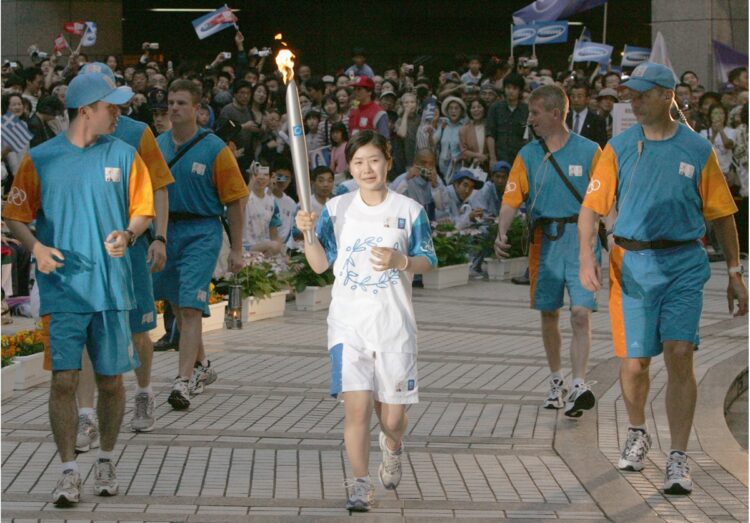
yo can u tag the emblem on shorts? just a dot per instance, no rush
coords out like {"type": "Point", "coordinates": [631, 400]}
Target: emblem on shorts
{"type": "Point", "coordinates": [402, 223]}
{"type": "Point", "coordinates": [147, 318]}
{"type": "Point", "coordinates": [687, 170]}
{"type": "Point", "coordinates": [198, 168]}
{"type": "Point", "coordinates": [201, 296]}
{"type": "Point", "coordinates": [411, 384]}
{"type": "Point", "coordinates": [575, 170]}
{"type": "Point", "coordinates": [112, 174]}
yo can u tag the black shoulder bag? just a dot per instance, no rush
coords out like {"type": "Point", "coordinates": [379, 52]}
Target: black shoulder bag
{"type": "Point", "coordinates": [602, 231]}
{"type": "Point", "coordinates": [185, 149]}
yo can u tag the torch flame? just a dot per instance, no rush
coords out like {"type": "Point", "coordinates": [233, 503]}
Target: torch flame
{"type": "Point", "coordinates": [285, 63]}
{"type": "Point", "coordinates": [278, 36]}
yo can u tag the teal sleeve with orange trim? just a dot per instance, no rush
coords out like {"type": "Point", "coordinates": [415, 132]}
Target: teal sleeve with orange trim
{"type": "Point", "coordinates": [25, 195]}
{"type": "Point", "coordinates": [602, 189]}
{"type": "Point", "coordinates": [518, 184]}
{"type": "Point", "coordinates": [717, 198]}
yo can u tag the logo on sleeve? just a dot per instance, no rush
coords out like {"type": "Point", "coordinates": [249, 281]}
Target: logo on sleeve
{"type": "Point", "coordinates": [16, 196]}
{"type": "Point", "coordinates": [112, 174]}
{"type": "Point", "coordinates": [199, 168]}
{"type": "Point", "coordinates": [687, 170]}
{"type": "Point", "coordinates": [575, 170]}
{"type": "Point", "coordinates": [594, 186]}
{"type": "Point", "coordinates": [510, 187]}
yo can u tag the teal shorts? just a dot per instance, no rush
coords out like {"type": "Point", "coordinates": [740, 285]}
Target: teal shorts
{"type": "Point", "coordinates": [656, 296]}
{"type": "Point", "coordinates": [554, 267]}
{"type": "Point", "coordinates": [143, 317]}
{"type": "Point", "coordinates": [193, 248]}
{"type": "Point", "coordinates": [105, 334]}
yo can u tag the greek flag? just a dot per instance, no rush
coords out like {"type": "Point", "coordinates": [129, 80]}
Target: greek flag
{"type": "Point", "coordinates": [213, 22]}
{"type": "Point", "coordinates": [16, 134]}
{"type": "Point", "coordinates": [89, 36]}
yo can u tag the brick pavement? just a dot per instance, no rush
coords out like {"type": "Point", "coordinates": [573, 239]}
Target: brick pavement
{"type": "Point", "coordinates": [265, 441]}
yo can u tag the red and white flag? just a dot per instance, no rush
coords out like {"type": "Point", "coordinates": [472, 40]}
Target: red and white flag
{"type": "Point", "coordinates": [60, 44]}
{"type": "Point", "coordinates": [214, 22]}
{"type": "Point", "coordinates": [75, 28]}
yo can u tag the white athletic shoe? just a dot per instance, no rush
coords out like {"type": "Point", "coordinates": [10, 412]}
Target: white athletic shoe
{"type": "Point", "coordinates": [555, 398]}
{"type": "Point", "coordinates": [361, 494]}
{"type": "Point", "coordinates": [677, 479]}
{"type": "Point", "coordinates": [633, 456]}
{"type": "Point", "coordinates": [390, 466]}
{"type": "Point", "coordinates": [580, 398]}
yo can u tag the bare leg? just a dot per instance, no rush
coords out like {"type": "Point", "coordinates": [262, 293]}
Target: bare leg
{"type": "Point", "coordinates": [63, 414]}
{"type": "Point", "coordinates": [110, 409]}
{"type": "Point", "coordinates": [681, 391]}
{"type": "Point", "coordinates": [580, 345]}
{"type": "Point", "coordinates": [551, 339]}
{"type": "Point", "coordinates": [191, 339]}
{"type": "Point", "coordinates": [358, 410]}
{"type": "Point", "coordinates": [86, 383]}
{"type": "Point", "coordinates": [393, 423]}
{"type": "Point", "coordinates": [634, 380]}
{"type": "Point", "coordinates": [145, 349]}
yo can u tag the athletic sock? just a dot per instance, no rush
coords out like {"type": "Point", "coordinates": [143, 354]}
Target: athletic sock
{"type": "Point", "coordinates": [577, 382]}
{"type": "Point", "coordinates": [70, 465]}
{"type": "Point", "coordinates": [104, 455]}
{"type": "Point", "coordinates": [642, 428]}
{"type": "Point", "coordinates": [148, 390]}
{"type": "Point", "coordinates": [86, 411]}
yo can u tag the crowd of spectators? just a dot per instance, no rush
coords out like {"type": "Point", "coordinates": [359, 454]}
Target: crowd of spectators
{"type": "Point", "coordinates": [439, 123]}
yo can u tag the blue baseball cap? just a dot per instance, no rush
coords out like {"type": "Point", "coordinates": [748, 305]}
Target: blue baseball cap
{"type": "Point", "coordinates": [499, 166]}
{"type": "Point", "coordinates": [648, 75]}
{"type": "Point", "coordinates": [97, 67]}
{"type": "Point", "coordinates": [86, 89]}
{"type": "Point", "coordinates": [465, 173]}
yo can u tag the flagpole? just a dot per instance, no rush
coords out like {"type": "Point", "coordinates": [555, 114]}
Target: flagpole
{"type": "Point", "coordinates": [511, 40]}
{"type": "Point", "coordinates": [604, 34]}
{"type": "Point", "coordinates": [573, 55]}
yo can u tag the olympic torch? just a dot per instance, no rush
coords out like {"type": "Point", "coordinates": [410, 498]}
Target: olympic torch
{"type": "Point", "coordinates": [285, 63]}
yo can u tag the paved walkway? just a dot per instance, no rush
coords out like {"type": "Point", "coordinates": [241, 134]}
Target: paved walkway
{"type": "Point", "coordinates": [265, 441]}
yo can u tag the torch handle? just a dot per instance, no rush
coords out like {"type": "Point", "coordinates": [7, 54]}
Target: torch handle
{"type": "Point", "coordinates": [299, 150]}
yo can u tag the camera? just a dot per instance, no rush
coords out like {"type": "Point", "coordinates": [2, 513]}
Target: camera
{"type": "Point", "coordinates": [36, 55]}
{"type": "Point", "coordinates": [424, 172]}
{"type": "Point", "coordinates": [266, 51]}
{"type": "Point", "coordinates": [152, 45]}
{"type": "Point", "coordinates": [409, 67]}
{"type": "Point", "coordinates": [227, 55]}
{"type": "Point", "coordinates": [281, 178]}
{"type": "Point", "coordinates": [257, 168]}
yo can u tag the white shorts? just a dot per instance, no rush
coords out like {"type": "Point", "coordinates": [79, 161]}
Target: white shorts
{"type": "Point", "coordinates": [391, 376]}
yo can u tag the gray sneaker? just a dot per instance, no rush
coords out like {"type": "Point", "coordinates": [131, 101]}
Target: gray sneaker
{"type": "Point", "coordinates": [68, 489]}
{"type": "Point", "coordinates": [143, 413]}
{"type": "Point", "coordinates": [390, 466]}
{"type": "Point", "coordinates": [88, 433]}
{"type": "Point", "coordinates": [677, 479]}
{"type": "Point", "coordinates": [105, 478]}
{"type": "Point", "coordinates": [202, 376]}
{"type": "Point", "coordinates": [361, 495]}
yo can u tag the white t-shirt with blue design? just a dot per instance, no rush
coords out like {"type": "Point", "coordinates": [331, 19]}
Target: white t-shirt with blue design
{"type": "Point", "coordinates": [261, 215]}
{"type": "Point", "coordinates": [369, 306]}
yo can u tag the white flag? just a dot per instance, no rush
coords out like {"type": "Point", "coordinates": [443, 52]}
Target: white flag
{"type": "Point", "coordinates": [89, 36]}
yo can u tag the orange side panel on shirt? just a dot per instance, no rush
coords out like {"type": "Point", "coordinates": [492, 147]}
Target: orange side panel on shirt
{"type": "Point", "coordinates": [616, 316]}
{"type": "Point", "coordinates": [535, 256]}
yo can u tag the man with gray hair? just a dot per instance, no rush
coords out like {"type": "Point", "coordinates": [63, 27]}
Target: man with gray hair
{"type": "Point", "coordinates": [551, 174]}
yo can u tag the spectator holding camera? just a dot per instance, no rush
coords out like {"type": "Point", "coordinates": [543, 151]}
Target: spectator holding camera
{"type": "Point", "coordinates": [408, 124]}
{"type": "Point", "coordinates": [421, 181]}
{"type": "Point", "coordinates": [446, 138]}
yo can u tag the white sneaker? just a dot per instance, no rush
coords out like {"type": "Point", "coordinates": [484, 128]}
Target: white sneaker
{"type": "Point", "coordinates": [361, 495]}
{"type": "Point", "coordinates": [68, 489]}
{"type": "Point", "coordinates": [556, 394]}
{"type": "Point", "coordinates": [633, 456]}
{"type": "Point", "coordinates": [202, 376]}
{"type": "Point", "coordinates": [677, 478]}
{"type": "Point", "coordinates": [143, 413]}
{"type": "Point", "coordinates": [179, 398]}
{"type": "Point", "coordinates": [105, 478]}
{"type": "Point", "coordinates": [580, 398]}
{"type": "Point", "coordinates": [87, 437]}
{"type": "Point", "coordinates": [390, 466]}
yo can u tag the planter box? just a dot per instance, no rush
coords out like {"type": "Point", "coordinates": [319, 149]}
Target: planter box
{"type": "Point", "coordinates": [30, 371]}
{"type": "Point", "coordinates": [444, 277]}
{"type": "Point", "coordinates": [8, 378]}
{"type": "Point", "coordinates": [505, 268]}
{"type": "Point", "coordinates": [314, 298]}
{"type": "Point", "coordinates": [216, 320]}
{"type": "Point", "coordinates": [271, 307]}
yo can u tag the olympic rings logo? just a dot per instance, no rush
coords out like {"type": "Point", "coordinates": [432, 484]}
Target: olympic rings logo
{"type": "Point", "coordinates": [16, 196]}
{"type": "Point", "coordinates": [510, 187]}
{"type": "Point", "coordinates": [594, 186]}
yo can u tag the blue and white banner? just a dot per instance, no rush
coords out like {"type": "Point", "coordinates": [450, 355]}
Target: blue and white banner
{"type": "Point", "coordinates": [551, 32]}
{"type": "Point", "coordinates": [539, 33]}
{"type": "Point", "coordinates": [632, 56]}
{"type": "Point", "coordinates": [592, 52]}
{"type": "Point", "coordinates": [549, 10]}
{"type": "Point", "coordinates": [16, 134]}
{"type": "Point", "coordinates": [89, 36]}
{"type": "Point", "coordinates": [214, 22]}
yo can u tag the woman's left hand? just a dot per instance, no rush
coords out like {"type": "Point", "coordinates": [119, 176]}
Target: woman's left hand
{"type": "Point", "coordinates": [384, 258]}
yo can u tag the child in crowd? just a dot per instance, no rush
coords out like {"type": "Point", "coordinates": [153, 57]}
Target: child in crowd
{"type": "Point", "coordinates": [262, 216]}
{"type": "Point", "coordinates": [454, 202]}
{"type": "Point", "coordinates": [376, 240]}
{"type": "Point", "coordinates": [339, 138]}
{"type": "Point", "coordinates": [322, 187]}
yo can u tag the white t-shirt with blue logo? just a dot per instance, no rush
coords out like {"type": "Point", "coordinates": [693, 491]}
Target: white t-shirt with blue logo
{"type": "Point", "coordinates": [287, 211]}
{"type": "Point", "coordinates": [371, 306]}
{"type": "Point", "coordinates": [261, 214]}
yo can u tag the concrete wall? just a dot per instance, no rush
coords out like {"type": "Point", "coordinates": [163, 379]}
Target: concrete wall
{"type": "Point", "coordinates": [26, 22]}
{"type": "Point", "coordinates": [689, 26]}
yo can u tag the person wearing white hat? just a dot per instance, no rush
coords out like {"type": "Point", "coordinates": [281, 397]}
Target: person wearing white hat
{"type": "Point", "coordinates": [91, 197]}
{"type": "Point", "coordinates": [445, 137]}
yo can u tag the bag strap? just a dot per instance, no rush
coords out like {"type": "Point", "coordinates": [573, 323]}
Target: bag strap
{"type": "Point", "coordinates": [186, 148]}
{"type": "Point", "coordinates": [559, 172]}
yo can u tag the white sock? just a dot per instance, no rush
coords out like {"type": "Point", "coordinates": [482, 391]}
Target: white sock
{"type": "Point", "coordinates": [577, 382]}
{"type": "Point", "coordinates": [148, 390]}
{"type": "Point", "coordinates": [363, 478]}
{"type": "Point", "coordinates": [673, 451]}
{"type": "Point", "coordinates": [639, 427]}
{"type": "Point", "coordinates": [555, 376]}
{"type": "Point", "coordinates": [86, 411]}
{"type": "Point", "coordinates": [205, 362]}
{"type": "Point", "coordinates": [104, 454]}
{"type": "Point", "coordinates": [70, 465]}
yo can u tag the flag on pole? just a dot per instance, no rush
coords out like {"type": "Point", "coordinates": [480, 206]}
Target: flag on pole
{"type": "Point", "coordinates": [214, 22]}
{"type": "Point", "coordinates": [16, 134]}
{"type": "Point", "coordinates": [592, 52]}
{"type": "Point", "coordinates": [550, 10]}
{"type": "Point", "coordinates": [659, 53]}
{"type": "Point", "coordinates": [632, 56]}
{"type": "Point", "coordinates": [75, 28]}
{"type": "Point", "coordinates": [551, 32]}
{"type": "Point", "coordinates": [523, 35]}
{"type": "Point", "coordinates": [89, 36]}
{"type": "Point", "coordinates": [60, 44]}
{"type": "Point", "coordinates": [727, 58]}
{"type": "Point", "coordinates": [585, 34]}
